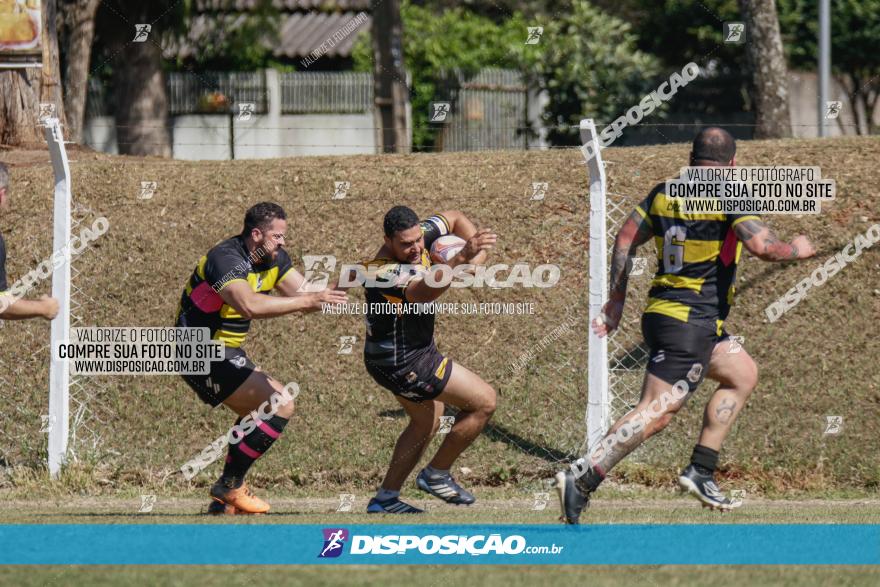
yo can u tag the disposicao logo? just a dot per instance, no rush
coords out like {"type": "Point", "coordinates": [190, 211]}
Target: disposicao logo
{"type": "Point", "coordinates": [334, 539]}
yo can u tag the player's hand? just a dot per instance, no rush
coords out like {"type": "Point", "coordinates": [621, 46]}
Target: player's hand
{"type": "Point", "coordinates": [49, 306]}
{"type": "Point", "coordinates": [483, 240]}
{"type": "Point", "coordinates": [608, 320]}
{"type": "Point", "coordinates": [804, 246]}
{"type": "Point", "coordinates": [330, 297]}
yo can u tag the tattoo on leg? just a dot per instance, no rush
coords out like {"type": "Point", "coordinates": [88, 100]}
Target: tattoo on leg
{"type": "Point", "coordinates": [725, 411]}
{"type": "Point", "coordinates": [617, 451]}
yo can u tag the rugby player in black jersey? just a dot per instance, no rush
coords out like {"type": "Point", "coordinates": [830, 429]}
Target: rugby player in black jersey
{"type": "Point", "coordinates": [689, 300]}
{"type": "Point", "coordinates": [401, 356]}
{"type": "Point", "coordinates": [227, 290]}
{"type": "Point", "coordinates": [44, 307]}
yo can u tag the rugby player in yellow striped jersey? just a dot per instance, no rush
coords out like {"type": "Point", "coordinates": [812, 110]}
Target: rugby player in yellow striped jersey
{"type": "Point", "coordinates": [689, 299]}
{"type": "Point", "coordinates": [229, 287]}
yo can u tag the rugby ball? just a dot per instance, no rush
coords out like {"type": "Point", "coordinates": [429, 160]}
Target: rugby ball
{"type": "Point", "coordinates": [445, 248]}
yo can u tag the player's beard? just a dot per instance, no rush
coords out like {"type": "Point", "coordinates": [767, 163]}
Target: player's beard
{"type": "Point", "coordinates": [266, 255]}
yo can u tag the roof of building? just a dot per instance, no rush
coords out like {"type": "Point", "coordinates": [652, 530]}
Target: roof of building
{"type": "Point", "coordinates": [307, 27]}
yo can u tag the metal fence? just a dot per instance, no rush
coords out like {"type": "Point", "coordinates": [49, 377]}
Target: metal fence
{"type": "Point", "coordinates": [337, 92]}
{"type": "Point", "coordinates": [489, 111]}
{"type": "Point", "coordinates": [192, 93]}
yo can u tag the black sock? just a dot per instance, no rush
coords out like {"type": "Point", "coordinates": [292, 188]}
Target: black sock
{"type": "Point", "coordinates": [704, 459]}
{"type": "Point", "coordinates": [243, 454]}
{"type": "Point", "coordinates": [589, 481]}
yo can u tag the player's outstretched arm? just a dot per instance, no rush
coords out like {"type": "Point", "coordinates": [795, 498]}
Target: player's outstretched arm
{"type": "Point", "coordinates": [45, 307]}
{"type": "Point", "coordinates": [252, 305]}
{"type": "Point", "coordinates": [635, 232]}
{"type": "Point", "coordinates": [760, 241]}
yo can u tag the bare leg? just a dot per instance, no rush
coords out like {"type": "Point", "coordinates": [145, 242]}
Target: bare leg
{"type": "Point", "coordinates": [255, 390]}
{"type": "Point", "coordinates": [424, 419]}
{"type": "Point", "coordinates": [738, 377]}
{"type": "Point", "coordinates": [476, 401]}
{"type": "Point", "coordinates": [656, 407]}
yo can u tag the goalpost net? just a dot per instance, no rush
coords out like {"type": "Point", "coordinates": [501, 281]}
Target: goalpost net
{"type": "Point", "coordinates": [546, 409]}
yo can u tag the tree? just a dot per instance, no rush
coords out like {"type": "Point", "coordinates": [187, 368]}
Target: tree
{"type": "Point", "coordinates": [768, 71]}
{"type": "Point", "coordinates": [134, 55]}
{"type": "Point", "coordinates": [389, 76]}
{"type": "Point", "coordinates": [78, 17]}
{"type": "Point", "coordinates": [590, 66]}
{"type": "Point", "coordinates": [22, 90]}
{"type": "Point", "coordinates": [585, 59]}
{"type": "Point", "coordinates": [855, 49]}
{"type": "Point", "coordinates": [436, 44]}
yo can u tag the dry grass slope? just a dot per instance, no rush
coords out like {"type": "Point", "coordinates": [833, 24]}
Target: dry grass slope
{"type": "Point", "coordinates": [818, 360]}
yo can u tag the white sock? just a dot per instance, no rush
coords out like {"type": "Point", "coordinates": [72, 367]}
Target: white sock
{"type": "Point", "coordinates": [432, 472]}
{"type": "Point", "coordinates": [386, 494]}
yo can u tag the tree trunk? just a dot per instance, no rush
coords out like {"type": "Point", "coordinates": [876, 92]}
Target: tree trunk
{"type": "Point", "coordinates": [141, 100]}
{"type": "Point", "coordinates": [24, 89]}
{"type": "Point", "coordinates": [19, 109]}
{"type": "Point", "coordinates": [81, 24]}
{"type": "Point", "coordinates": [389, 77]}
{"type": "Point", "coordinates": [768, 70]}
{"type": "Point", "coordinates": [51, 89]}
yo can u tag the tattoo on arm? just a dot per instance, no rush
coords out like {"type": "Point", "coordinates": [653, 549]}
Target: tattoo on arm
{"type": "Point", "coordinates": [620, 265]}
{"type": "Point", "coordinates": [773, 249]}
{"type": "Point", "coordinates": [746, 229]}
{"type": "Point", "coordinates": [643, 232]}
{"type": "Point", "coordinates": [621, 256]}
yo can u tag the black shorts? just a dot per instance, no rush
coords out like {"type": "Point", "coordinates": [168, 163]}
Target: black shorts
{"type": "Point", "coordinates": [225, 377]}
{"type": "Point", "coordinates": [422, 378]}
{"type": "Point", "coordinates": [679, 351]}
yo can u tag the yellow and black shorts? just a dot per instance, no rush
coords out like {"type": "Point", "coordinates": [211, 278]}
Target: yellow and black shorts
{"type": "Point", "coordinates": [225, 377]}
{"type": "Point", "coordinates": [421, 378]}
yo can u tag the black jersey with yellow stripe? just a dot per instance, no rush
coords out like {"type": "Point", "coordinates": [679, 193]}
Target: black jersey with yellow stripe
{"type": "Point", "coordinates": [201, 304]}
{"type": "Point", "coordinates": [393, 335]}
{"type": "Point", "coordinates": [697, 257]}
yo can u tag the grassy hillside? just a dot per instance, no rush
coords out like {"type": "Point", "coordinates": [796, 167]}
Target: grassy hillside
{"type": "Point", "coordinates": [820, 359]}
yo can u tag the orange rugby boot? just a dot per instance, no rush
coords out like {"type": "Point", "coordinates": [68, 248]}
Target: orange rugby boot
{"type": "Point", "coordinates": [240, 498]}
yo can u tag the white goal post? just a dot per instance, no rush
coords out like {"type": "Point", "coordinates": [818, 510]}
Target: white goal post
{"type": "Point", "coordinates": [59, 375]}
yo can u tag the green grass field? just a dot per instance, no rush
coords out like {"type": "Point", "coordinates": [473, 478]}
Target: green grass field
{"type": "Point", "coordinates": [437, 576]}
{"type": "Point", "coordinates": [493, 507]}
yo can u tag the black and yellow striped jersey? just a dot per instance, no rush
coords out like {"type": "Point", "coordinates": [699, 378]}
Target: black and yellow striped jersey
{"type": "Point", "coordinates": [201, 304]}
{"type": "Point", "coordinates": [394, 336]}
{"type": "Point", "coordinates": [697, 256]}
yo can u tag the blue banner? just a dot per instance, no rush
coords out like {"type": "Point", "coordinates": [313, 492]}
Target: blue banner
{"type": "Point", "coordinates": [282, 544]}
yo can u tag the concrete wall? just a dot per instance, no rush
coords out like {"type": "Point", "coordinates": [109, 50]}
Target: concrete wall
{"type": "Point", "coordinates": [803, 99]}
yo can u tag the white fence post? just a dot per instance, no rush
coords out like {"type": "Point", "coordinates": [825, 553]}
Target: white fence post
{"type": "Point", "coordinates": [598, 406]}
{"type": "Point", "coordinates": [59, 375]}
